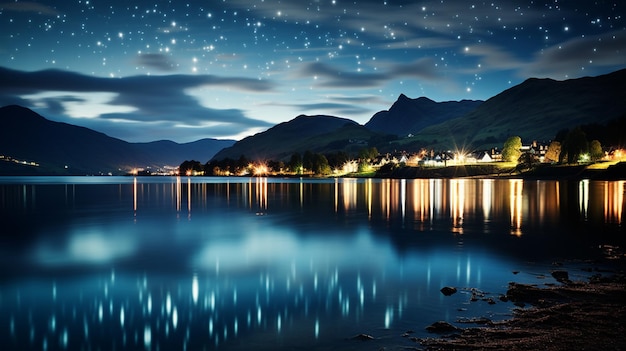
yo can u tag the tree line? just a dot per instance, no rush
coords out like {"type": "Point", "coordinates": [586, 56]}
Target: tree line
{"type": "Point", "coordinates": [572, 146]}
{"type": "Point", "coordinates": [307, 163]}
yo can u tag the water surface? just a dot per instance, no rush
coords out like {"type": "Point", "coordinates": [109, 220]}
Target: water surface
{"type": "Point", "coordinates": [255, 263]}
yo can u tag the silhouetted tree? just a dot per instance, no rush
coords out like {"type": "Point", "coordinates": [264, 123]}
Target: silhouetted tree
{"type": "Point", "coordinates": [275, 166]}
{"type": "Point", "coordinates": [307, 160]}
{"type": "Point", "coordinates": [320, 165]}
{"type": "Point", "coordinates": [192, 165]}
{"type": "Point", "coordinates": [369, 153]}
{"type": "Point", "coordinates": [338, 159]}
{"type": "Point", "coordinates": [511, 151]}
{"type": "Point", "coordinates": [574, 145]}
{"type": "Point", "coordinates": [295, 163]}
{"type": "Point", "coordinates": [527, 160]}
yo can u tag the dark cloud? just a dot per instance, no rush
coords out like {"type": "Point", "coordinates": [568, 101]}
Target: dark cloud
{"type": "Point", "coordinates": [58, 80]}
{"type": "Point", "coordinates": [156, 61]}
{"type": "Point", "coordinates": [32, 7]}
{"type": "Point", "coordinates": [157, 100]}
{"type": "Point", "coordinates": [333, 108]}
{"type": "Point", "coordinates": [334, 77]}
{"type": "Point", "coordinates": [421, 69]}
{"type": "Point", "coordinates": [55, 105]}
{"type": "Point", "coordinates": [340, 79]}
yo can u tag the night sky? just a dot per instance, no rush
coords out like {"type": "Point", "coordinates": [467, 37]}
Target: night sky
{"type": "Point", "coordinates": [185, 70]}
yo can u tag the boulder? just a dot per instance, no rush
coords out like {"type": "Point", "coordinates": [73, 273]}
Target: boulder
{"type": "Point", "coordinates": [448, 290]}
{"type": "Point", "coordinates": [561, 276]}
{"type": "Point", "coordinates": [441, 327]}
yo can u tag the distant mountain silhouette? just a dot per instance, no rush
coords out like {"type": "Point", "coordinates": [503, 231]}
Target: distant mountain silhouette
{"type": "Point", "coordinates": [409, 116]}
{"type": "Point", "coordinates": [61, 148]}
{"type": "Point", "coordinates": [319, 134]}
{"type": "Point", "coordinates": [536, 109]}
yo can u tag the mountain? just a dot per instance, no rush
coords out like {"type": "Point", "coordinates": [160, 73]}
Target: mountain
{"type": "Point", "coordinates": [61, 148]}
{"type": "Point", "coordinates": [536, 109]}
{"type": "Point", "coordinates": [409, 116]}
{"type": "Point", "coordinates": [319, 134]}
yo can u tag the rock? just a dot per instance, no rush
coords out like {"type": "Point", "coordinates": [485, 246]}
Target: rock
{"type": "Point", "coordinates": [407, 333]}
{"type": "Point", "coordinates": [441, 327]}
{"type": "Point", "coordinates": [524, 293]}
{"type": "Point", "coordinates": [448, 290]}
{"type": "Point", "coordinates": [363, 337]}
{"type": "Point", "coordinates": [561, 276]}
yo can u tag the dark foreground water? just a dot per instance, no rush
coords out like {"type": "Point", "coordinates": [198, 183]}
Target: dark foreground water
{"type": "Point", "coordinates": [262, 264]}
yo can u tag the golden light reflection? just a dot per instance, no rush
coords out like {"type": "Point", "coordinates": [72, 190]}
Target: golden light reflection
{"type": "Point", "coordinates": [515, 198]}
{"type": "Point", "coordinates": [385, 198]}
{"type": "Point", "coordinates": [349, 191]}
{"type": "Point", "coordinates": [583, 197]}
{"type": "Point", "coordinates": [487, 187]}
{"type": "Point", "coordinates": [437, 198]}
{"type": "Point", "coordinates": [614, 201]}
{"type": "Point", "coordinates": [403, 197]}
{"type": "Point", "coordinates": [457, 204]}
{"type": "Point", "coordinates": [460, 202]}
{"type": "Point", "coordinates": [261, 190]}
{"type": "Point", "coordinates": [421, 199]}
{"type": "Point", "coordinates": [178, 194]}
{"type": "Point", "coordinates": [135, 195]}
{"type": "Point", "coordinates": [368, 196]}
{"type": "Point", "coordinates": [336, 197]}
{"type": "Point", "coordinates": [189, 196]}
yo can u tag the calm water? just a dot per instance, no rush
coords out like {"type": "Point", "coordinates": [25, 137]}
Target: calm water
{"type": "Point", "coordinates": [254, 263]}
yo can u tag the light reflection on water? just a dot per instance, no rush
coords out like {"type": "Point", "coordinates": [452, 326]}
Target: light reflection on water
{"type": "Point", "coordinates": [241, 263]}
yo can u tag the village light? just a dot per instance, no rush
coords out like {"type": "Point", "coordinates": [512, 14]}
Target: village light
{"type": "Point", "coordinates": [260, 169]}
{"type": "Point", "coordinates": [584, 158]}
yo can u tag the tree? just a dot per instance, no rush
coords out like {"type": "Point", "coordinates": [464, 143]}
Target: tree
{"type": "Point", "coordinates": [367, 154]}
{"type": "Point", "coordinates": [553, 152]}
{"type": "Point", "coordinates": [527, 160]}
{"type": "Point", "coordinates": [307, 160]}
{"type": "Point", "coordinates": [320, 165]}
{"type": "Point", "coordinates": [512, 149]}
{"type": "Point", "coordinates": [295, 163]}
{"type": "Point", "coordinates": [338, 159]}
{"type": "Point", "coordinates": [190, 166]}
{"type": "Point", "coordinates": [574, 145]}
{"type": "Point", "coordinates": [595, 150]}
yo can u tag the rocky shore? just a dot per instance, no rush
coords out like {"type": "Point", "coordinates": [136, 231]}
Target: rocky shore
{"type": "Point", "coordinates": [572, 315]}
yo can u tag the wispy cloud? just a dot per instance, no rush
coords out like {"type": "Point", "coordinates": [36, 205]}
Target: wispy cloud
{"type": "Point", "coordinates": [581, 55]}
{"type": "Point", "coordinates": [156, 61]}
{"type": "Point", "coordinates": [492, 58]}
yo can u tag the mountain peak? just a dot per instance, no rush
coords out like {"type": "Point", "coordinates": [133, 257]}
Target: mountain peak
{"type": "Point", "coordinates": [409, 116]}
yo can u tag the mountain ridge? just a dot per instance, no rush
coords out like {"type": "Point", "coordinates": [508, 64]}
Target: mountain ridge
{"type": "Point", "coordinates": [62, 148]}
{"type": "Point", "coordinates": [536, 109]}
{"type": "Point", "coordinates": [297, 135]}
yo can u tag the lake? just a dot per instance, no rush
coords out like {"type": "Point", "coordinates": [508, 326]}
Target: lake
{"type": "Point", "coordinates": [159, 263]}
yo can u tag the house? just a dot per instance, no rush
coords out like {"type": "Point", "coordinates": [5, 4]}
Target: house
{"type": "Point", "coordinates": [484, 156]}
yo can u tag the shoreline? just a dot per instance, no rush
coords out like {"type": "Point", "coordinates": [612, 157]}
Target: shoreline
{"type": "Point", "coordinates": [615, 171]}
{"type": "Point", "coordinates": [570, 315]}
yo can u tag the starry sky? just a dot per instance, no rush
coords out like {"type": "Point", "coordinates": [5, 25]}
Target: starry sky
{"type": "Point", "coordinates": [185, 70]}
